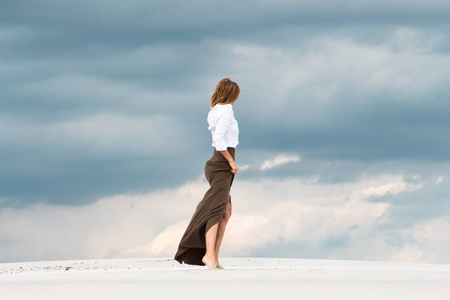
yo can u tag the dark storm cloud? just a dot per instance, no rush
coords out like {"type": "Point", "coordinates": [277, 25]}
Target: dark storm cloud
{"type": "Point", "coordinates": [381, 131]}
{"type": "Point", "coordinates": [64, 63]}
{"type": "Point", "coordinates": [63, 28]}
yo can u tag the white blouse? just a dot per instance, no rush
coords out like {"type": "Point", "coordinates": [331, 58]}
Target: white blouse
{"type": "Point", "coordinates": [224, 127]}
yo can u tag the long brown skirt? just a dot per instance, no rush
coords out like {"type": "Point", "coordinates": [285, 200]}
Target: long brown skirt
{"type": "Point", "coordinates": [209, 211]}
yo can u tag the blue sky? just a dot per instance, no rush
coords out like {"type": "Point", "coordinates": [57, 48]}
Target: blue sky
{"type": "Point", "coordinates": [103, 108]}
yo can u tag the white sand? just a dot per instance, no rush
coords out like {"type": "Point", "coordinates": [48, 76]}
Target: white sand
{"type": "Point", "coordinates": [244, 278]}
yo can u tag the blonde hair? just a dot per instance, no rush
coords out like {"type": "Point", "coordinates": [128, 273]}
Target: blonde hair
{"type": "Point", "coordinates": [227, 91]}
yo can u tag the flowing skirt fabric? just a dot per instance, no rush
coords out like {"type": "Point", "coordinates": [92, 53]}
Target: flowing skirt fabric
{"type": "Point", "coordinates": [209, 211]}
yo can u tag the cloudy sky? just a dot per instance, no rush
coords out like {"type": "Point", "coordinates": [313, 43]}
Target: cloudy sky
{"type": "Point", "coordinates": [344, 119]}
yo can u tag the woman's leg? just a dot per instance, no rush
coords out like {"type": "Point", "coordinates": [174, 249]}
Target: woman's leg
{"type": "Point", "coordinates": [214, 238]}
{"type": "Point", "coordinates": [210, 258]}
{"type": "Point", "coordinates": [221, 231]}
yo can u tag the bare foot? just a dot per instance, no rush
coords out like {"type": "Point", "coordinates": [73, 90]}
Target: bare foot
{"type": "Point", "coordinates": [210, 262]}
{"type": "Point", "coordinates": [219, 266]}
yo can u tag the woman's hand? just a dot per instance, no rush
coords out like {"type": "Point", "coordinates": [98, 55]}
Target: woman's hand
{"type": "Point", "coordinates": [228, 157]}
{"type": "Point", "coordinates": [233, 166]}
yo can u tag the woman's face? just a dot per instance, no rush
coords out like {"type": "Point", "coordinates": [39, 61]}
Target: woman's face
{"type": "Point", "coordinates": [232, 103]}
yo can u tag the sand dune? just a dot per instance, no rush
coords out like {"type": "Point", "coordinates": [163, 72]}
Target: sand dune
{"type": "Point", "coordinates": [243, 278]}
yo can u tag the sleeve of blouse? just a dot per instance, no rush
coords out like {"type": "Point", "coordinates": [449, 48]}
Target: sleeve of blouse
{"type": "Point", "coordinates": [223, 123]}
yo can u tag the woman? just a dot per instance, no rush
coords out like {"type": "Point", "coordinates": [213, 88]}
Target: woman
{"type": "Point", "coordinates": [201, 241]}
